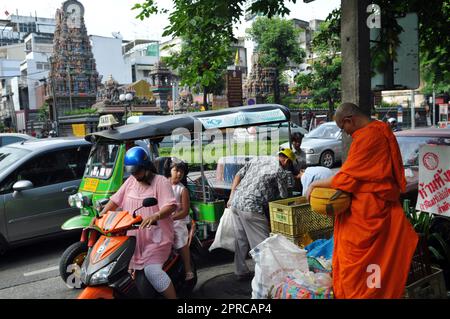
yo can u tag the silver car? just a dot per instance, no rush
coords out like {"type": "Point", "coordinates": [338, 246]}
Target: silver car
{"type": "Point", "coordinates": [323, 145]}
{"type": "Point", "coordinates": [36, 178]}
{"type": "Point", "coordinates": [10, 138]}
{"type": "Point", "coordinates": [279, 131]}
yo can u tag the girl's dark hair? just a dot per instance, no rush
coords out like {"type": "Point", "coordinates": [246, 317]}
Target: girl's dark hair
{"type": "Point", "coordinates": [164, 166]}
{"type": "Point", "coordinates": [180, 166]}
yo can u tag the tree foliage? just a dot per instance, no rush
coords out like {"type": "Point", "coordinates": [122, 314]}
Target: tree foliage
{"type": "Point", "coordinates": [206, 28]}
{"type": "Point", "coordinates": [230, 10]}
{"type": "Point", "coordinates": [434, 36]}
{"type": "Point", "coordinates": [277, 45]}
{"type": "Point", "coordinates": [206, 47]}
{"type": "Point", "coordinates": [324, 82]}
{"type": "Point", "coordinates": [434, 28]}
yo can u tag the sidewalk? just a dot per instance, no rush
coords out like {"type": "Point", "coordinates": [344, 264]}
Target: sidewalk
{"type": "Point", "coordinates": [219, 282]}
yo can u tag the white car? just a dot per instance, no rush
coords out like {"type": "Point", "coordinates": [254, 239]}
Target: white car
{"type": "Point", "coordinates": [278, 131]}
{"type": "Point", "coordinates": [322, 146]}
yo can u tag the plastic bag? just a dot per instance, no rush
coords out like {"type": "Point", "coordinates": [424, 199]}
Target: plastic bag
{"type": "Point", "coordinates": [307, 285]}
{"type": "Point", "coordinates": [321, 248]}
{"type": "Point", "coordinates": [225, 232]}
{"type": "Point", "coordinates": [275, 258]}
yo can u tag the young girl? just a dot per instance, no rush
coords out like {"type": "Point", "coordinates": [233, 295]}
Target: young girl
{"type": "Point", "coordinates": [178, 172]}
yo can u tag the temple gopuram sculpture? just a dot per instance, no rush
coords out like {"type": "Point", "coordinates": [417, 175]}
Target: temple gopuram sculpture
{"type": "Point", "coordinates": [259, 82]}
{"type": "Point", "coordinates": [73, 75]}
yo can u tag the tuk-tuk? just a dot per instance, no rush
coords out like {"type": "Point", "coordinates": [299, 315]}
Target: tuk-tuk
{"type": "Point", "coordinates": [104, 172]}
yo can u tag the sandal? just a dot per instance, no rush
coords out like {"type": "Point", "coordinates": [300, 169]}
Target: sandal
{"type": "Point", "coordinates": [189, 276]}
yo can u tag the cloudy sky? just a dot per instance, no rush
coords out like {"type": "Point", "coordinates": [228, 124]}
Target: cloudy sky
{"type": "Point", "coordinates": [103, 17]}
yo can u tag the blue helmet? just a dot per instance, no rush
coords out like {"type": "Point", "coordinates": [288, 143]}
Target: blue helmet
{"type": "Point", "coordinates": [136, 158]}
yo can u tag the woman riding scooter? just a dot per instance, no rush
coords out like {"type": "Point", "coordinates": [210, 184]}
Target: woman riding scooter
{"type": "Point", "coordinates": [153, 244]}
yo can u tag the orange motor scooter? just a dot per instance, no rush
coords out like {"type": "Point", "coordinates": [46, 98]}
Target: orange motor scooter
{"type": "Point", "coordinates": [105, 269]}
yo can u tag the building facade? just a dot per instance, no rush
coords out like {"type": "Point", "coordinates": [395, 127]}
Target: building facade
{"type": "Point", "coordinates": [11, 57]}
{"type": "Point", "coordinates": [140, 57]}
{"type": "Point", "coordinates": [16, 27]}
{"type": "Point", "coordinates": [110, 60]}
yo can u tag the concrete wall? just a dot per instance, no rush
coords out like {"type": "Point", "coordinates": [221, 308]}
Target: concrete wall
{"type": "Point", "coordinates": [108, 57]}
{"type": "Point", "coordinates": [35, 67]}
{"type": "Point", "coordinates": [13, 52]}
{"type": "Point", "coordinates": [16, 93]}
{"type": "Point", "coordinates": [9, 68]}
{"type": "Point", "coordinates": [33, 76]}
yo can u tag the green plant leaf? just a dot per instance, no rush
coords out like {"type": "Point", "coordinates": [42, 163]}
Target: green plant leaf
{"type": "Point", "coordinates": [435, 253]}
{"type": "Point", "coordinates": [443, 245]}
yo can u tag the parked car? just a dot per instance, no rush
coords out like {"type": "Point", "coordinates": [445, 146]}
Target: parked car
{"type": "Point", "coordinates": [323, 145]}
{"type": "Point", "coordinates": [10, 138]}
{"type": "Point", "coordinates": [267, 132]}
{"type": "Point", "coordinates": [36, 178]}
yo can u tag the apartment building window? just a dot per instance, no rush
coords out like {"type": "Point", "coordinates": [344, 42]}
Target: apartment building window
{"type": "Point", "coordinates": [28, 46]}
{"type": "Point", "coordinates": [42, 66]}
{"type": "Point", "coordinates": [27, 27]}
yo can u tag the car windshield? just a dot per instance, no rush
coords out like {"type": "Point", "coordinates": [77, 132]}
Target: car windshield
{"type": "Point", "coordinates": [325, 131]}
{"type": "Point", "coordinates": [101, 161]}
{"type": "Point", "coordinates": [410, 145]}
{"type": "Point", "coordinates": [10, 155]}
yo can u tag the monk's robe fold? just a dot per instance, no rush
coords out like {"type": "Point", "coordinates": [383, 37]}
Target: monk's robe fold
{"type": "Point", "coordinates": [375, 231]}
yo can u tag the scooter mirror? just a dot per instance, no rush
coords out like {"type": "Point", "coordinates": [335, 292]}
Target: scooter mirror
{"type": "Point", "coordinates": [149, 202]}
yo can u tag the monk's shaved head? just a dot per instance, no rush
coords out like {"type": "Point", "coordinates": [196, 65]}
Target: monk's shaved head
{"type": "Point", "coordinates": [350, 113]}
{"type": "Point", "coordinates": [347, 109]}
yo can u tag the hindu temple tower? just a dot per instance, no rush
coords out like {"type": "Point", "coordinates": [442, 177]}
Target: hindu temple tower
{"type": "Point", "coordinates": [73, 76]}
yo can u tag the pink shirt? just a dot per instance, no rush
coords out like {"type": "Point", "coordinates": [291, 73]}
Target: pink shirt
{"type": "Point", "coordinates": [154, 244]}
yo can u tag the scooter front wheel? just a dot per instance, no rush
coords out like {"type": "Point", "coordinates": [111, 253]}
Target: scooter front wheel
{"type": "Point", "coordinates": [70, 264]}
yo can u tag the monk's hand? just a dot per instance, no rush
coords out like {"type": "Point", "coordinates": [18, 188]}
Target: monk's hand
{"type": "Point", "coordinates": [146, 223]}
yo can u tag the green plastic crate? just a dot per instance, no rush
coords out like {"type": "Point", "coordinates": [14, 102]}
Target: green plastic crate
{"type": "Point", "coordinates": [210, 212]}
{"type": "Point", "coordinates": [294, 217]}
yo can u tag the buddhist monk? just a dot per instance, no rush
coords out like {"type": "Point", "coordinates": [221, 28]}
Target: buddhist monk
{"type": "Point", "coordinates": [373, 241]}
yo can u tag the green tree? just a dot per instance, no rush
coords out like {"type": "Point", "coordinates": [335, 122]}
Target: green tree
{"type": "Point", "coordinates": [44, 113]}
{"type": "Point", "coordinates": [277, 45]}
{"type": "Point", "coordinates": [206, 34]}
{"type": "Point", "coordinates": [324, 82]}
{"type": "Point", "coordinates": [200, 64]}
{"type": "Point", "coordinates": [206, 27]}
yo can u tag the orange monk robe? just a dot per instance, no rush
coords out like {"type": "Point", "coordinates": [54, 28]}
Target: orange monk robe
{"type": "Point", "coordinates": [375, 232]}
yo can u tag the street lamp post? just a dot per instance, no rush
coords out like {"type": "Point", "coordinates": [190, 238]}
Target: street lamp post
{"type": "Point", "coordinates": [126, 100]}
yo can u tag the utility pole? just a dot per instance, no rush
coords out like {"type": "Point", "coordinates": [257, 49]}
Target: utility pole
{"type": "Point", "coordinates": [55, 111]}
{"type": "Point", "coordinates": [413, 111]}
{"type": "Point", "coordinates": [12, 111]}
{"type": "Point", "coordinates": [434, 107]}
{"type": "Point", "coordinates": [70, 88]}
{"type": "Point", "coordinates": [355, 40]}
{"type": "Point", "coordinates": [174, 94]}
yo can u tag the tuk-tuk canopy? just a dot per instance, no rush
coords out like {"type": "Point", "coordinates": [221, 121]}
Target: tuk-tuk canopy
{"type": "Point", "coordinates": [221, 119]}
